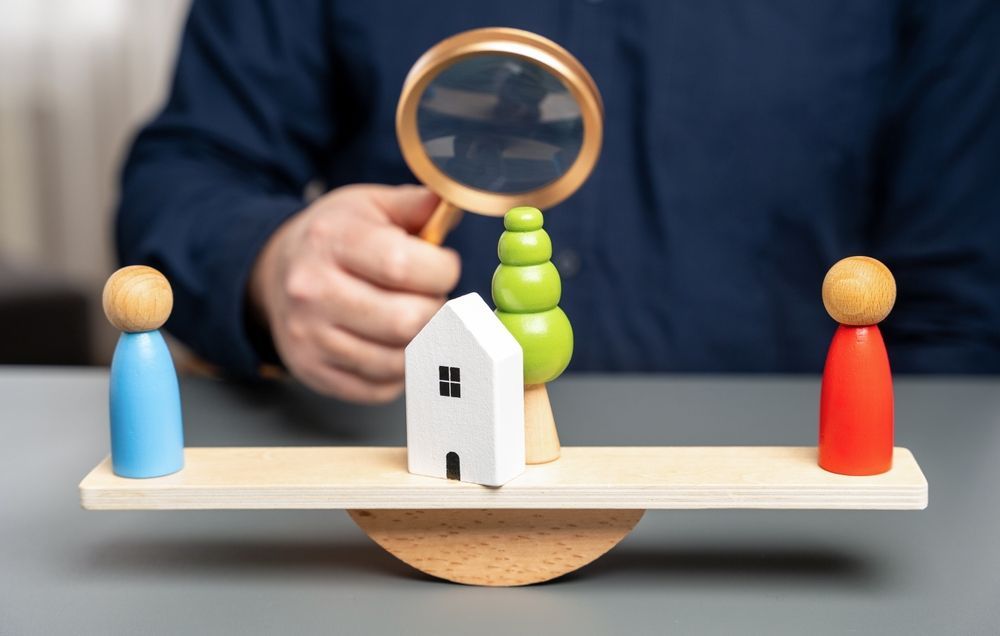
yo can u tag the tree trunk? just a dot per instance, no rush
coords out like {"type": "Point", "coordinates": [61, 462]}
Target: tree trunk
{"type": "Point", "coordinates": [541, 441]}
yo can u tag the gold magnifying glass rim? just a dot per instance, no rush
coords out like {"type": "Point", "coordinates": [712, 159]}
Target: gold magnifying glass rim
{"type": "Point", "coordinates": [516, 43]}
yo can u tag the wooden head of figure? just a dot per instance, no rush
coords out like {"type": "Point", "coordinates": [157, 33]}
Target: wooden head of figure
{"type": "Point", "coordinates": [859, 291]}
{"type": "Point", "coordinates": [137, 298]}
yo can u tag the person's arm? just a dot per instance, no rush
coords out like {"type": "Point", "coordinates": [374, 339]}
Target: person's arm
{"type": "Point", "coordinates": [248, 123]}
{"type": "Point", "coordinates": [938, 225]}
{"type": "Point", "coordinates": [226, 162]}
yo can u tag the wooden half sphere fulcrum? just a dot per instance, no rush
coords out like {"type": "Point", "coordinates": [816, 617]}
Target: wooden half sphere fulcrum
{"type": "Point", "coordinates": [497, 547]}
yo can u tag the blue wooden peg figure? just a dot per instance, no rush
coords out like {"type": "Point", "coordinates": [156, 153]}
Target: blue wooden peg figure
{"type": "Point", "coordinates": [147, 433]}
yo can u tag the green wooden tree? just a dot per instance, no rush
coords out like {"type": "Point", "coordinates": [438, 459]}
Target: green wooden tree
{"type": "Point", "coordinates": [526, 291]}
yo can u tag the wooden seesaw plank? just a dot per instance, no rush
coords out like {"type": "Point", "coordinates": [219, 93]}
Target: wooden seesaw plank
{"type": "Point", "coordinates": [584, 478]}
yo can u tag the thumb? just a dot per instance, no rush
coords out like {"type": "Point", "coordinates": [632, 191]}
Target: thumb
{"type": "Point", "coordinates": [408, 206]}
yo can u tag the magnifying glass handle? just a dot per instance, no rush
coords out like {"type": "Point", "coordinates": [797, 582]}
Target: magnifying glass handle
{"type": "Point", "coordinates": [445, 217]}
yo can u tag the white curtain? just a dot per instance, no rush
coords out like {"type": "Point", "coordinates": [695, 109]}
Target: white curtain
{"type": "Point", "coordinates": [76, 77]}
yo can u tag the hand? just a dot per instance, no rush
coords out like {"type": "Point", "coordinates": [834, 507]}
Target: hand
{"type": "Point", "coordinates": [344, 286]}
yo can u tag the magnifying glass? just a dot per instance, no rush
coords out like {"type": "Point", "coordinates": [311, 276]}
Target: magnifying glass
{"type": "Point", "coordinates": [490, 119]}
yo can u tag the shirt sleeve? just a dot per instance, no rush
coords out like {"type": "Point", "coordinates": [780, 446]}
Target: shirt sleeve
{"type": "Point", "coordinates": [938, 222]}
{"type": "Point", "coordinates": [246, 125]}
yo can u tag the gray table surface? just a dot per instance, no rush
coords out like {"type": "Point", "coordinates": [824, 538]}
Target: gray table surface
{"type": "Point", "coordinates": [67, 571]}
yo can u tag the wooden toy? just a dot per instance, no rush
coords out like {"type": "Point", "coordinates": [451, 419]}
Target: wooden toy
{"type": "Point", "coordinates": [147, 438]}
{"type": "Point", "coordinates": [526, 290]}
{"type": "Point", "coordinates": [464, 396]}
{"type": "Point", "coordinates": [608, 478]}
{"type": "Point", "coordinates": [469, 420]}
{"type": "Point", "coordinates": [856, 403]}
{"type": "Point", "coordinates": [551, 520]}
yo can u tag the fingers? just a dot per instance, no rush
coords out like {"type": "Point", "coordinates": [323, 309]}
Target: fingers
{"type": "Point", "coordinates": [408, 206]}
{"type": "Point", "coordinates": [334, 362]}
{"type": "Point", "coordinates": [344, 288]}
{"type": "Point", "coordinates": [388, 317]}
{"type": "Point", "coordinates": [357, 356]}
{"type": "Point", "coordinates": [389, 257]}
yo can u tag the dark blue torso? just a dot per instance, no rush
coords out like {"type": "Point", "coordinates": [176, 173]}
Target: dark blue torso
{"type": "Point", "coordinates": [748, 146]}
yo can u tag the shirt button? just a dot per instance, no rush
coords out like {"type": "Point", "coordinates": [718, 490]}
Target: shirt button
{"type": "Point", "coordinates": [568, 263]}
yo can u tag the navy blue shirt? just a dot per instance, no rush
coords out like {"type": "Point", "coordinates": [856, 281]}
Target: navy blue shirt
{"type": "Point", "coordinates": [748, 146]}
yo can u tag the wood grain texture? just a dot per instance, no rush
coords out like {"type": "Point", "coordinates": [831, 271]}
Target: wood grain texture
{"type": "Point", "coordinates": [497, 547]}
{"type": "Point", "coordinates": [541, 440]}
{"type": "Point", "coordinates": [859, 291]}
{"type": "Point", "coordinates": [137, 298]}
{"type": "Point", "coordinates": [625, 478]}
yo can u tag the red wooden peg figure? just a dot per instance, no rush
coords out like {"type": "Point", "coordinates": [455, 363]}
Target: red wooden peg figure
{"type": "Point", "coordinates": [855, 412]}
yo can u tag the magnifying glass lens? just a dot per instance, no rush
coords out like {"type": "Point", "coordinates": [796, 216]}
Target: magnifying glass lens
{"type": "Point", "coordinates": [499, 123]}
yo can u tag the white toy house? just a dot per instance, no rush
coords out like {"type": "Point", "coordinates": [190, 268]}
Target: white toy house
{"type": "Point", "coordinates": [465, 396]}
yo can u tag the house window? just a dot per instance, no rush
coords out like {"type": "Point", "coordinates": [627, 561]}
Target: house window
{"type": "Point", "coordinates": [450, 382]}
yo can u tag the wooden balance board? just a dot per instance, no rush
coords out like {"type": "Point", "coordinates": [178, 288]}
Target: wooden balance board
{"type": "Point", "coordinates": [553, 519]}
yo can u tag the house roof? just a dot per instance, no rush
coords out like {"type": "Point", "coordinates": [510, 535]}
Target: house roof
{"type": "Point", "coordinates": [481, 323]}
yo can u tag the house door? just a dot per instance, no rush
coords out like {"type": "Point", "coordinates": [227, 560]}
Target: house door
{"type": "Point", "coordinates": [452, 466]}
